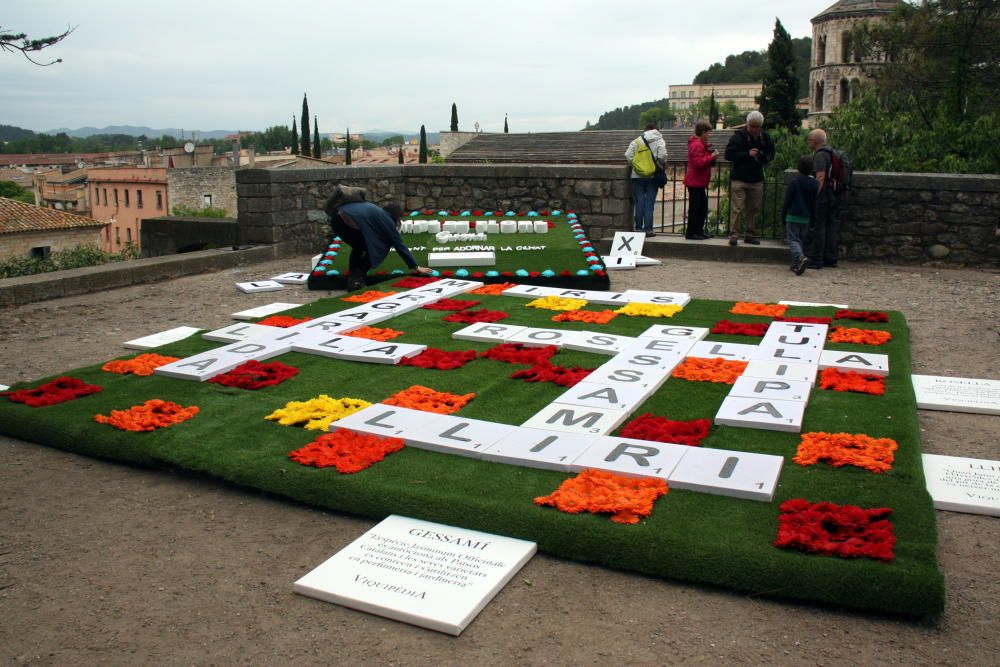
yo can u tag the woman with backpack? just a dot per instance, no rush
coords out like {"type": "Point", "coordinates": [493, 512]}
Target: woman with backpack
{"type": "Point", "coordinates": [646, 155]}
{"type": "Point", "coordinates": [701, 157]}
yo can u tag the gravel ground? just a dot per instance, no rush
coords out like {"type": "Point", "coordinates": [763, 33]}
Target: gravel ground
{"type": "Point", "coordinates": [102, 563]}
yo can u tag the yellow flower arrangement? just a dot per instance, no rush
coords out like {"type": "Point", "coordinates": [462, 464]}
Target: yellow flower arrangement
{"type": "Point", "coordinates": [557, 303]}
{"type": "Point", "coordinates": [318, 413]}
{"type": "Point", "coordinates": [650, 310]}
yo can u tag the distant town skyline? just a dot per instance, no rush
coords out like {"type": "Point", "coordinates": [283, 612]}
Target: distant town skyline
{"type": "Point", "coordinates": [393, 65]}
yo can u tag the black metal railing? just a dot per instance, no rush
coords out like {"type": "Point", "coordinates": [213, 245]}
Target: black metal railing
{"type": "Point", "coordinates": [673, 203]}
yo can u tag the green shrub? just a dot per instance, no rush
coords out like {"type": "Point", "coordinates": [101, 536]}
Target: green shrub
{"type": "Point", "coordinates": [71, 258]}
{"type": "Point", "coordinates": [207, 212]}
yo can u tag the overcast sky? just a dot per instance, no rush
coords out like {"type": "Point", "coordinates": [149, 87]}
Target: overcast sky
{"type": "Point", "coordinates": [386, 64]}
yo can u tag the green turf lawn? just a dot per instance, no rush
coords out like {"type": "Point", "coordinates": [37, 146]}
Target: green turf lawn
{"type": "Point", "coordinates": [561, 253]}
{"type": "Point", "coordinates": [690, 536]}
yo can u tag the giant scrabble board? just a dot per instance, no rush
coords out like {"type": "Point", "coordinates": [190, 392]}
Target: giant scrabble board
{"type": "Point", "coordinates": [512, 441]}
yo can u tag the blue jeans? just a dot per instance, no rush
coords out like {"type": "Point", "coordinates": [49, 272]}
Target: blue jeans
{"type": "Point", "coordinates": [796, 239]}
{"type": "Point", "coordinates": [644, 198]}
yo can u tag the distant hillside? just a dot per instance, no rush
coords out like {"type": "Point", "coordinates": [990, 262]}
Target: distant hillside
{"type": "Point", "coordinates": [12, 133]}
{"type": "Point", "coordinates": [135, 131]}
{"type": "Point", "coordinates": [624, 118]}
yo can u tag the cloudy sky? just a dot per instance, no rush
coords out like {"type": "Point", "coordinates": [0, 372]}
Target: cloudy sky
{"type": "Point", "coordinates": [387, 64]}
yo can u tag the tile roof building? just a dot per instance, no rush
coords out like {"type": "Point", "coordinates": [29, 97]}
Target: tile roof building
{"type": "Point", "coordinates": [35, 231]}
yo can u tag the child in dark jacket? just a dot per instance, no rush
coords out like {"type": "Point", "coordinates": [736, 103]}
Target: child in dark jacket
{"type": "Point", "coordinates": [800, 202]}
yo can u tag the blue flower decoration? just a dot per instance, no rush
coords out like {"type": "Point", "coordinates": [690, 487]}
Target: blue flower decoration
{"type": "Point", "coordinates": [398, 272]}
{"type": "Point", "coordinates": [461, 273]}
{"type": "Point", "coordinates": [443, 213]}
{"type": "Point", "coordinates": [532, 214]}
{"type": "Point", "coordinates": [588, 249]}
{"type": "Point", "coordinates": [435, 273]}
{"type": "Point", "coordinates": [492, 274]}
{"type": "Point", "coordinates": [557, 212]}
{"type": "Point", "coordinates": [571, 215]}
{"type": "Point", "coordinates": [522, 273]}
{"type": "Point", "coordinates": [466, 213]}
{"type": "Point", "coordinates": [593, 260]}
{"type": "Point", "coordinates": [414, 213]}
{"type": "Point", "coordinates": [326, 262]}
{"type": "Point", "coordinates": [583, 272]}
{"type": "Point", "coordinates": [510, 213]}
{"type": "Point", "coordinates": [337, 239]}
{"type": "Point", "coordinates": [487, 214]}
{"type": "Point", "coordinates": [333, 272]}
{"type": "Point", "coordinates": [548, 273]}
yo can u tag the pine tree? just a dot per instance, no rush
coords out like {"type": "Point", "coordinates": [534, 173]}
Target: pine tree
{"type": "Point", "coordinates": [423, 145]}
{"type": "Point", "coordinates": [454, 117]}
{"type": "Point", "coordinates": [306, 143]}
{"type": "Point", "coordinates": [347, 147]}
{"type": "Point", "coordinates": [779, 94]}
{"type": "Point", "coordinates": [295, 138]}
{"type": "Point", "coordinates": [317, 145]}
{"type": "Point", "coordinates": [505, 128]}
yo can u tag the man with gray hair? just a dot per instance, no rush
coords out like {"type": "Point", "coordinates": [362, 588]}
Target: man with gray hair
{"type": "Point", "coordinates": [824, 233]}
{"type": "Point", "coordinates": [750, 149]}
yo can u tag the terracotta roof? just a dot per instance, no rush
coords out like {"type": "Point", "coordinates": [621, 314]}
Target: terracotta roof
{"type": "Point", "coordinates": [16, 217]}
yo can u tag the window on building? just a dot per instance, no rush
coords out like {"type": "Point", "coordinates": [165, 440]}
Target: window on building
{"type": "Point", "coordinates": [845, 91]}
{"type": "Point", "coordinates": [821, 52]}
{"type": "Point", "coordinates": [138, 198]}
{"type": "Point", "coordinates": [128, 234]}
{"type": "Point", "coordinates": [126, 197]}
{"type": "Point", "coordinates": [118, 236]}
{"type": "Point", "coordinates": [159, 200]}
{"type": "Point", "coordinates": [105, 196]}
{"type": "Point", "coordinates": [845, 48]}
{"type": "Point", "coordinates": [41, 252]}
{"type": "Point", "coordinates": [818, 100]}
{"type": "Point", "coordinates": [206, 200]}
{"type": "Point", "coordinates": [116, 197]}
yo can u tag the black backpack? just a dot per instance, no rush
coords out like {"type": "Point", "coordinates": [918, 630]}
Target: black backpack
{"type": "Point", "coordinates": [841, 172]}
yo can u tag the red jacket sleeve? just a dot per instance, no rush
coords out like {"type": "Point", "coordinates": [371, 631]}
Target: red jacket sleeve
{"type": "Point", "coordinates": [698, 156]}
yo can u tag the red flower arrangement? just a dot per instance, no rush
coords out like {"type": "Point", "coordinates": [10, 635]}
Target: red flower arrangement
{"type": "Point", "coordinates": [626, 499]}
{"type": "Point", "coordinates": [473, 316]}
{"type": "Point", "coordinates": [414, 281]}
{"type": "Point", "coordinates": [282, 321]}
{"type": "Point", "coordinates": [859, 336]}
{"type": "Point", "coordinates": [451, 304]}
{"type": "Point", "coordinates": [142, 365]}
{"type": "Point", "coordinates": [564, 376]}
{"type": "Point", "coordinates": [805, 320]}
{"type": "Point", "coordinates": [717, 370]}
{"type": "Point", "coordinates": [60, 390]}
{"type": "Point", "coordinates": [588, 316]}
{"type": "Point", "coordinates": [661, 429]}
{"type": "Point", "coordinates": [346, 451]}
{"type": "Point", "coordinates": [843, 449]}
{"type": "Point", "coordinates": [151, 415]}
{"type": "Point", "coordinates": [428, 400]}
{"type": "Point", "coordinates": [493, 290]}
{"type": "Point", "coordinates": [739, 328]}
{"type": "Point", "coordinates": [442, 360]}
{"type": "Point", "coordinates": [515, 353]}
{"type": "Point", "coordinates": [846, 531]}
{"type": "Point", "coordinates": [863, 315]}
{"type": "Point", "coordinates": [366, 297]}
{"type": "Point", "coordinates": [254, 375]}
{"type": "Point", "coordinates": [375, 333]}
{"type": "Point", "coordinates": [764, 309]}
{"type": "Point", "coordinates": [861, 383]}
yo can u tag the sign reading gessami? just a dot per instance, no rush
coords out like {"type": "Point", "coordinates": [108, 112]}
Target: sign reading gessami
{"type": "Point", "coordinates": [428, 574]}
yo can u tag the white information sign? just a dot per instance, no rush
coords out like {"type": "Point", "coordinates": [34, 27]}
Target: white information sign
{"type": "Point", "coordinates": [162, 338]}
{"type": "Point", "coordinates": [627, 243]}
{"type": "Point", "coordinates": [957, 394]}
{"type": "Point", "coordinates": [264, 311]}
{"type": "Point", "coordinates": [427, 574]}
{"type": "Point", "coordinates": [963, 485]}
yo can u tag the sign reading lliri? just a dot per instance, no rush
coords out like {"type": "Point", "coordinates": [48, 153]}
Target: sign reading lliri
{"type": "Point", "coordinates": [428, 574]}
{"type": "Point", "coordinates": [960, 484]}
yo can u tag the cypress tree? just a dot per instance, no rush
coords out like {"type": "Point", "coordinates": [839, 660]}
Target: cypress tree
{"type": "Point", "coordinates": [295, 138]}
{"type": "Point", "coordinates": [505, 128]}
{"type": "Point", "coordinates": [423, 145]}
{"type": "Point", "coordinates": [317, 145]}
{"type": "Point", "coordinates": [713, 110]}
{"type": "Point", "coordinates": [399, 155]}
{"type": "Point", "coordinates": [454, 117]}
{"type": "Point", "coordinates": [306, 143]}
{"type": "Point", "coordinates": [778, 96]}
{"type": "Point", "coordinates": [347, 147]}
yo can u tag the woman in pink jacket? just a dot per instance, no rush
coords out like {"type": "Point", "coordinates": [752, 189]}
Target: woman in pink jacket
{"type": "Point", "coordinates": [701, 157]}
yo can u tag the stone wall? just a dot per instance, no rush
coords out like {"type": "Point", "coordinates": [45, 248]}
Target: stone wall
{"type": "Point", "coordinates": [450, 141]}
{"type": "Point", "coordinates": [21, 243]}
{"type": "Point", "coordinates": [286, 207]}
{"type": "Point", "coordinates": [173, 234]}
{"type": "Point", "coordinates": [187, 187]}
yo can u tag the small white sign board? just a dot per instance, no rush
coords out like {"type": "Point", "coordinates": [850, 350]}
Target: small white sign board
{"type": "Point", "coordinates": [259, 286]}
{"type": "Point", "coordinates": [264, 311]}
{"type": "Point", "coordinates": [291, 278]}
{"type": "Point", "coordinates": [161, 338]}
{"type": "Point", "coordinates": [957, 394]}
{"type": "Point", "coordinates": [618, 262]}
{"type": "Point", "coordinates": [642, 260]}
{"type": "Point", "coordinates": [427, 574]}
{"type": "Point", "coordinates": [963, 485]}
{"type": "Point", "coordinates": [4, 387]}
{"type": "Point", "coordinates": [814, 305]}
{"type": "Point", "coordinates": [627, 243]}
{"type": "Point", "coordinates": [443, 259]}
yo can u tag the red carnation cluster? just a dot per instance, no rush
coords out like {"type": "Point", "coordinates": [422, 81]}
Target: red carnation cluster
{"type": "Point", "coordinates": [860, 383]}
{"type": "Point", "coordinates": [846, 531]}
{"type": "Point", "coordinates": [60, 390]}
{"type": "Point", "coordinates": [473, 316]}
{"type": "Point", "coordinates": [282, 321]}
{"type": "Point", "coordinates": [442, 360]}
{"type": "Point", "coordinates": [254, 375]}
{"type": "Point", "coordinates": [739, 328]}
{"type": "Point", "coordinates": [661, 429]}
{"type": "Point", "coordinates": [346, 451]}
{"type": "Point", "coordinates": [863, 315]}
{"type": "Point", "coordinates": [413, 281]}
{"type": "Point", "coordinates": [451, 304]}
{"type": "Point", "coordinates": [564, 376]}
{"type": "Point", "coordinates": [805, 320]}
{"type": "Point", "coordinates": [515, 353]}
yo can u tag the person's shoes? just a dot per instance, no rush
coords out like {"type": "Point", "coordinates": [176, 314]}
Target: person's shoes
{"type": "Point", "coordinates": [355, 284]}
{"type": "Point", "coordinates": [704, 237]}
{"type": "Point", "coordinates": [751, 241]}
{"type": "Point", "coordinates": [695, 238]}
{"type": "Point", "coordinates": [814, 265]}
{"type": "Point", "coordinates": [830, 265]}
{"type": "Point", "coordinates": [649, 234]}
{"type": "Point", "coordinates": [733, 241]}
{"type": "Point", "coordinates": [800, 267]}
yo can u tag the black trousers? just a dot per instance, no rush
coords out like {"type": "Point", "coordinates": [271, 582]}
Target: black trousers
{"type": "Point", "coordinates": [824, 233]}
{"type": "Point", "coordinates": [697, 211]}
{"type": "Point", "coordinates": [359, 262]}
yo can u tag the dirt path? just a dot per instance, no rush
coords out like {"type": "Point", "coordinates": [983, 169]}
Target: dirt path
{"type": "Point", "coordinates": [101, 563]}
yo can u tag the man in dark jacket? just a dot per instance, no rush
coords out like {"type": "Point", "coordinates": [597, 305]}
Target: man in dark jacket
{"type": "Point", "coordinates": [750, 150]}
{"type": "Point", "coordinates": [369, 230]}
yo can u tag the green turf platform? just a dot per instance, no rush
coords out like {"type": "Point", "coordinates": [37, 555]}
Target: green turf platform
{"type": "Point", "coordinates": [690, 536]}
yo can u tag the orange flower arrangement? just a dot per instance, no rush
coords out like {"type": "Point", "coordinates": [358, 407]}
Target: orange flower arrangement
{"type": "Point", "coordinates": [149, 416]}
{"type": "Point", "coordinates": [860, 383]}
{"type": "Point", "coordinates": [428, 400]}
{"type": "Point", "coordinates": [764, 309]}
{"type": "Point", "coordinates": [859, 336]}
{"type": "Point", "coordinates": [346, 451]}
{"type": "Point", "coordinates": [375, 333]}
{"type": "Point", "coordinates": [588, 316]}
{"type": "Point", "coordinates": [717, 370]}
{"type": "Point", "coordinates": [142, 365]}
{"type": "Point", "coordinates": [600, 492]}
{"type": "Point", "coordinates": [843, 449]}
{"type": "Point", "coordinates": [282, 321]}
{"type": "Point", "coordinates": [493, 290]}
{"type": "Point", "coordinates": [365, 297]}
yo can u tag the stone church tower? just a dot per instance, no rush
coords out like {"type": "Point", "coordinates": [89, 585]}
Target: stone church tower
{"type": "Point", "coordinates": [836, 74]}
